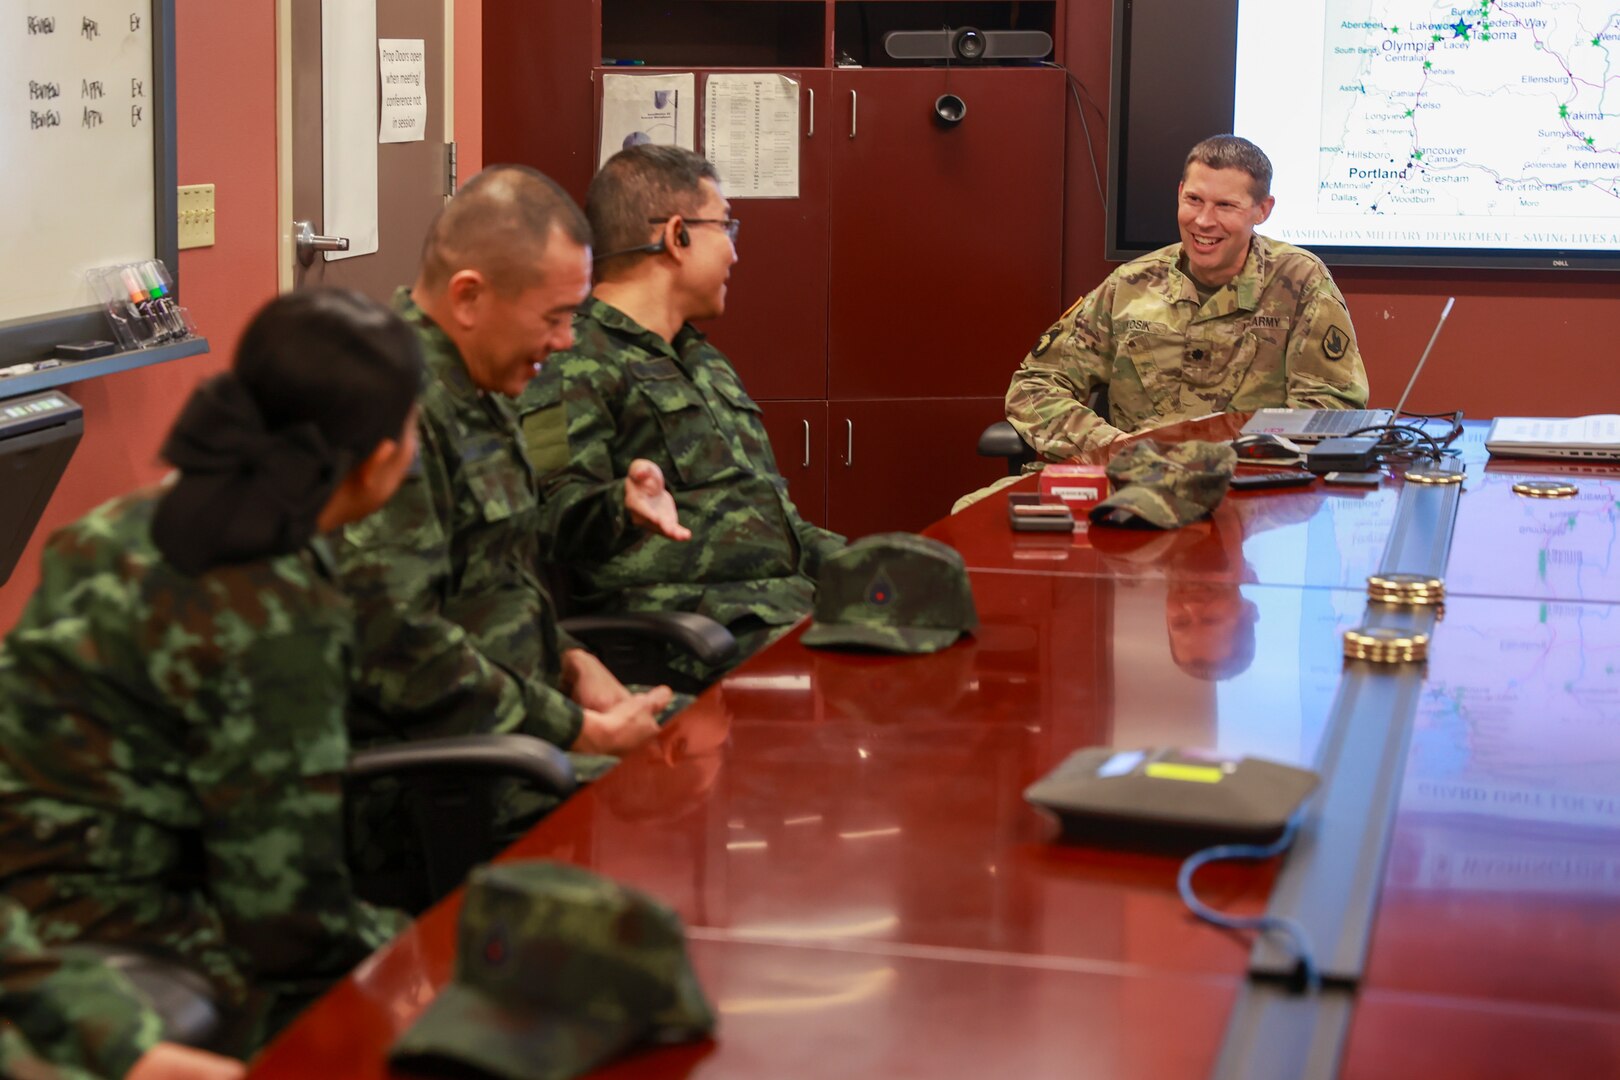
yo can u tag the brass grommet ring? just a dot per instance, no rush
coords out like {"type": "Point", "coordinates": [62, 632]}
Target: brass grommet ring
{"type": "Point", "coordinates": [1414, 590]}
{"type": "Point", "coordinates": [1384, 645]}
{"type": "Point", "coordinates": [1434, 476]}
{"type": "Point", "coordinates": [1546, 489]}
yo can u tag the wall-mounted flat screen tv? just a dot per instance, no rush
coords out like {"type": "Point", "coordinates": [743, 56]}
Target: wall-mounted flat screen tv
{"type": "Point", "coordinates": [1460, 133]}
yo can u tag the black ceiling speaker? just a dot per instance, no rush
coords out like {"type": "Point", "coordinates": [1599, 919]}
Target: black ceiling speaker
{"type": "Point", "coordinates": [967, 43]}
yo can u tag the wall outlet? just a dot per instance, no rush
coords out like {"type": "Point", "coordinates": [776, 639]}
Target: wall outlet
{"type": "Point", "coordinates": [196, 215]}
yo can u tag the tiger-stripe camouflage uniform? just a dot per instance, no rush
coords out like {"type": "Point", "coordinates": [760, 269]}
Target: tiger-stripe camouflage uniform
{"type": "Point", "coordinates": [171, 754]}
{"type": "Point", "coordinates": [457, 634]}
{"type": "Point", "coordinates": [621, 393]}
{"type": "Point", "coordinates": [1278, 334]}
{"type": "Point", "coordinates": [64, 1014]}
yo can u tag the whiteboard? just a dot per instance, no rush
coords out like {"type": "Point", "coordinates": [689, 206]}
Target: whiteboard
{"type": "Point", "coordinates": [78, 131]}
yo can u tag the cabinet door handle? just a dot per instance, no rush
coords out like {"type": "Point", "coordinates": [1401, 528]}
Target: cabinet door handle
{"type": "Point", "coordinates": [807, 444]}
{"type": "Point", "coordinates": [849, 437]}
{"type": "Point", "coordinates": [812, 132]}
{"type": "Point", "coordinates": [854, 104]}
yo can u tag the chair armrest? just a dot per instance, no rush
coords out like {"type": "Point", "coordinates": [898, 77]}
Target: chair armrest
{"type": "Point", "coordinates": [1001, 439]}
{"type": "Point", "coordinates": [697, 635]}
{"type": "Point", "coordinates": [511, 755]}
{"type": "Point", "coordinates": [182, 998]}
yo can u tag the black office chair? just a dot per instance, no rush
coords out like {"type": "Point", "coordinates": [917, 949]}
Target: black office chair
{"type": "Point", "coordinates": [1002, 440]}
{"type": "Point", "coordinates": [636, 647]}
{"type": "Point", "coordinates": [446, 794]}
{"type": "Point", "coordinates": [181, 997]}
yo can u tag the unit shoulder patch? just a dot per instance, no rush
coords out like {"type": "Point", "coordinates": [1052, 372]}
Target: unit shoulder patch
{"type": "Point", "coordinates": [1335, 343]}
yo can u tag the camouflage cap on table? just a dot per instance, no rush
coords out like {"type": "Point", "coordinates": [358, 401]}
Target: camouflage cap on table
{"type": "Point", "coordinates": [1166, 487]}
{"type": "Point", "coordinates": [558, 970]}
{"type": "Point", "coordinates": [895, 591]}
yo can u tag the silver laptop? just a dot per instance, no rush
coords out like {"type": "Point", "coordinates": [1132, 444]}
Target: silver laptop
{"type": "Point", "coordinates": [1314, 425]}
{"type": "Point", "coordinates": [1590, 438]}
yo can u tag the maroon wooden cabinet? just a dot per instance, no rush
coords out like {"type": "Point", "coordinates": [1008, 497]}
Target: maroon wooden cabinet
{"type": "Point", "coordinates": [945, 240]}
{"type": "Point", "coordinates": [890, 302]}
{"type": "Point", "coordinates": [798, 431]}
{"type": "Point", "coordinates": [899, 463]}
{"type": "Point", "coordinates": [775, 327]}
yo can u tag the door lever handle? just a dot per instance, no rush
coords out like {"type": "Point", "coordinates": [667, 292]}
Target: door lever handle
{"type": "Point", "coordinates": [307, 243]}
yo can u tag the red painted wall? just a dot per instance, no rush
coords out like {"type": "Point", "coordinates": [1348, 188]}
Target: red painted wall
{"type": "Point", "coordinates": [226, 79]}
{"type": "Point", "coordinates": [1517, 342]}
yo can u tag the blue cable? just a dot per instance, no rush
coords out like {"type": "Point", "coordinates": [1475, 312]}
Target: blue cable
{"type": "Point", "coordinates": [1299, 944]}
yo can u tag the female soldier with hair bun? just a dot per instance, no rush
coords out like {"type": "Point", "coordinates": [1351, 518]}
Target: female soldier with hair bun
{"type": "Point", "coordinates": [172, 700]}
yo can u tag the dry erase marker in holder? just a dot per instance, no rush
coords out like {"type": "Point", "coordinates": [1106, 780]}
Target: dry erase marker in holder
{"type": "Point", "coordinates": [138, 300]}
{"type": "Point", "coordinates": [160, 289]}
{"type": "Point", "coordinates": [124, 311]}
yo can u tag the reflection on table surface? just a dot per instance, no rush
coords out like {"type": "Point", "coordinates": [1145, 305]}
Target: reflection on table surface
{"type": "Point", "coordinates": [868, 894]}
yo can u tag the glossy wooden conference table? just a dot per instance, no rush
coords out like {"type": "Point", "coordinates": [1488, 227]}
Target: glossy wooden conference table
{"type": "Point", "coordinates": [868, 895]}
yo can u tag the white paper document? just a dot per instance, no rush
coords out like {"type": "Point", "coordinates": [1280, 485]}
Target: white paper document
{"type": "Point", "coordinates": [751, 134]}
{"type": "Point", "coordinates": [657, 109]}
{"type": "Point", "coordinates": [402, 67]}
{"type": "Point", "coordinates": [1532, 431]}
{"type": "Point", "coordinates": [349, 125]}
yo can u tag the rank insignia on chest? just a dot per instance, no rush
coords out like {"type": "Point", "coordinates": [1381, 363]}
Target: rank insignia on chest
{"type": "Point", "coordinates": [1335, 343]}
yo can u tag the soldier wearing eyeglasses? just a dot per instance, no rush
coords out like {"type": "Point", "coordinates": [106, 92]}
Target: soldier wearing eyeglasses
{"type": "Point", "coordinates": [641, 385]}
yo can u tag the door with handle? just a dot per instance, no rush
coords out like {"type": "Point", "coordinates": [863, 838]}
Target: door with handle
{"type": "Point", "coordinates": [412, 177]}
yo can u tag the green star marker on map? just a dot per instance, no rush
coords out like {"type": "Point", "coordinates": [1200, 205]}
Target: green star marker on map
{"type": "Point", "coordinates": [1427, 64]}
{"type": "Point", "coordinates": [1590, 140]}
{"type": "Point", "coordinates": [1417, 155]}
{"type": "Point", "coordinates": [1563, 110]}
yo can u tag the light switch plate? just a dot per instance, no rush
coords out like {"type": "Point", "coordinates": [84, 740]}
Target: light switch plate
{"type": "Point", "coordinates": [196, 206]}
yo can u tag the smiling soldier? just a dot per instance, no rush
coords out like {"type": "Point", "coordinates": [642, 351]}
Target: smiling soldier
{"type": "Point", "coordinates": [1225, 320]}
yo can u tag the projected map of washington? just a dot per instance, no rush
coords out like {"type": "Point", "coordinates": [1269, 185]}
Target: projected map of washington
{"type": "Point", "coordinates": [1480, 109]}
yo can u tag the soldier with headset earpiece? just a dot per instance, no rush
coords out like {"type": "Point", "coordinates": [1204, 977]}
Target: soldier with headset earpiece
{"type": "Point", "coordinates": [642, 388]}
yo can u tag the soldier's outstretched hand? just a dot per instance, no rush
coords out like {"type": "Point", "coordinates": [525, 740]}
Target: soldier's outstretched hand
{"type": "Point", "coordinates": [649, 502]}
{"type": "Point", "coordinates": [624, 727]}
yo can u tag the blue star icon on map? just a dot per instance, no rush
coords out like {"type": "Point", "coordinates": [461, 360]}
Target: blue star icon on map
{"type": "Point", "coordinates": [1461, 28]}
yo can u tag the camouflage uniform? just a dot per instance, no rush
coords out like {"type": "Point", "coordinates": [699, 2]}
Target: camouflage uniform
{"type": "Point", "coordinates": [171, 751]}
{"type": "Point", "coordinates": [65, 1015]}
{"type": "Point", "coordinates": [457, 633]}
{"type": "Point", "coordinates": [1277, 334]}
{"type": "Point", "coordinates": [624, 393]}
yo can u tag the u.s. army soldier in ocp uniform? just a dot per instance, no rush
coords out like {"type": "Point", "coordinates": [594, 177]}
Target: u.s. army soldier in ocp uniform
{"type": "Point", "coordinates": [1225, 320]}
{"type": "Point", "coordinates": [642, 385]}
